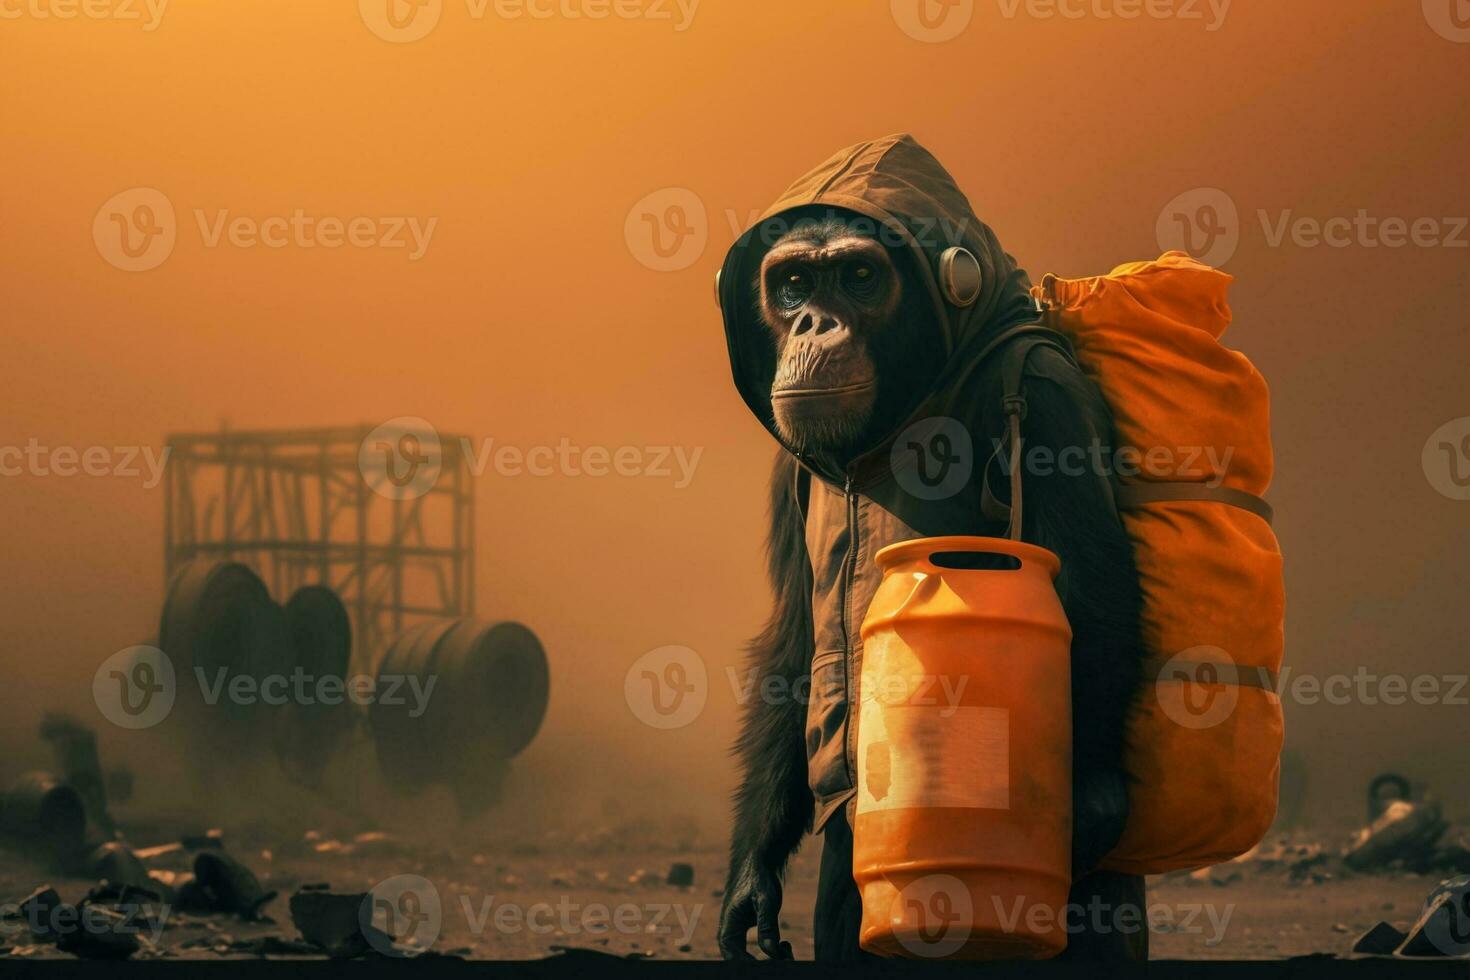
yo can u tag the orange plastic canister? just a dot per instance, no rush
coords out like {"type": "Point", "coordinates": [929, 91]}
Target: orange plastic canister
{"type": "Point", "coordinates": [963, 828]}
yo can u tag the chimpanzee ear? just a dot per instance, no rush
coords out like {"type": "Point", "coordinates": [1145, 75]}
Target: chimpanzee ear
{"type": "Point", "coordinates": [960, 277]}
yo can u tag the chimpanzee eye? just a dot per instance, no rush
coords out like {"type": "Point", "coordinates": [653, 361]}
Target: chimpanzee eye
{"type": "Point", "coordinates": [794, 289]}
{"type": "Point", "coordinates": [860, 278]}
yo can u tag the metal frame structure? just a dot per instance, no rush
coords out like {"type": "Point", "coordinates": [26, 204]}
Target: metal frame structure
{"type": "Point", "coordinates": [297, 507]}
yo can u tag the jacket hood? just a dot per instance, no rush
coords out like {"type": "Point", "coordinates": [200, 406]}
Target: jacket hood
{"type": "Point", "coordinates": [901, 187]}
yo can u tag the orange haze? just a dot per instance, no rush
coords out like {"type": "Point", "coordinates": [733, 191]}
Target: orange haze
{"type": "Point", "coordinates": [528, 318]}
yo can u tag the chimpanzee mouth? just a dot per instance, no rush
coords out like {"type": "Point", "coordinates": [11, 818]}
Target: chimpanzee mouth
{"type": "Point", "coordinates": [800, 391]}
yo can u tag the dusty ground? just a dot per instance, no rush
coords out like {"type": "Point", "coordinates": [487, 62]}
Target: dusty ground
{"type": "Point", "coordinates": [606, 890]}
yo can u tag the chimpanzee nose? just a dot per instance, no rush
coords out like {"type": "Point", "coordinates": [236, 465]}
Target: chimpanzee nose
{"type": "Point", "coordinates": [815, 324]}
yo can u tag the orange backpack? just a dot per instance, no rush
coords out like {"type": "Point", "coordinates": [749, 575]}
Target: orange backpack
{"type": "Point", "coordinates": [1204, 740]}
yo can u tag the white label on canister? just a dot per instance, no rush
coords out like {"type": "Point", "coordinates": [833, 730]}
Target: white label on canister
{"type": "Point", "coordinates": [932, 756]}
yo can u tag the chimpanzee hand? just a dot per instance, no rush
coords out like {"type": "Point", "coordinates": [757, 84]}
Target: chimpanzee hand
{"type": "Point", "coordinates": [1099, 813]}
{"type": "Point", "coordinates": [752, 898]}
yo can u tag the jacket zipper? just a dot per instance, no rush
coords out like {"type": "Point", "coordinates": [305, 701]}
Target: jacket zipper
{"type": "Point", "coordinates": [849, 570]}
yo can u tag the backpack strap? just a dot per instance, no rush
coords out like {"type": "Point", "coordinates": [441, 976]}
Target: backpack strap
{"type": "Point", "coordinates": [1019, 343]}
{"type": "Point", "coordinates": [1207, 672]}
{"type": "Point", "coordinates": [1139, 494]}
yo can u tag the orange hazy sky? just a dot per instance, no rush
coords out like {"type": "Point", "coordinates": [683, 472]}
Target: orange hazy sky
{"type": "Point", "coordinates": [530, 310]}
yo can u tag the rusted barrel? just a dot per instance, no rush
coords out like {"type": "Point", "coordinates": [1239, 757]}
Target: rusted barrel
{"type": "Point", "coordinates": [42, 810]}
{"type": "Point", "coordinates": [312, 725]}
{"type": "Point", "coordinates": [456, 700]}
{"type": "Point", "coordinates": [320, 630]}
{"type": "Point", "coordinates": [219, 623]}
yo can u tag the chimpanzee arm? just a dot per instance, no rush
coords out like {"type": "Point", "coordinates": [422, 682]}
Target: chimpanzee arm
{"type": "Point", "coordinates": [1068, 507]}
{"type": "Point", "coordinates": [773, 805]}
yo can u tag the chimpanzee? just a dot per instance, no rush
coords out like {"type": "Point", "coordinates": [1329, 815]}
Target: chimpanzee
{"type": "Point", "coordinates": [872, 325]}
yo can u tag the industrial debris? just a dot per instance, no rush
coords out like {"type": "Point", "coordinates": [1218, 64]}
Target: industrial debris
{"type": "Point", "coordinates": [1404, 835]}
{"type": "Point", "coordinates": [337, 924]}
{"type": "Point", "coordinates": [1442, 929]}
